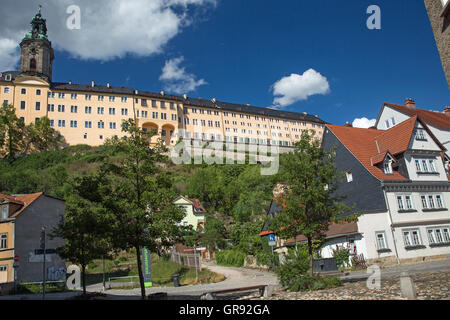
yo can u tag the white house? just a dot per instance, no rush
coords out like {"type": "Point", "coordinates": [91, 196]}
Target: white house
{"type": "Point", "coordinates": [397, 178]}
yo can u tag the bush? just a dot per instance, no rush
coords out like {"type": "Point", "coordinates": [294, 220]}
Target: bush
{"type": "Point", "coordinates": [232, 258]}
{"type": "Point", "coordinates": [342, 256]}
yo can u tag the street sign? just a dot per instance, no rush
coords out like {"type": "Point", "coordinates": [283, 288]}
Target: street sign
{"type": "Point", "coordinates": [47, 251]}
{"type": "Point", "coordinates": [271, 239]}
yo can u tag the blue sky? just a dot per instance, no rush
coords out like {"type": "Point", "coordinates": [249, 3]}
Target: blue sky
{"type": "Point", "coordinates": [236, 50]}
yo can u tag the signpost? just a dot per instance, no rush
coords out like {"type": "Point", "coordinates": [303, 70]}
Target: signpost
{"type": "Point", "coordinates": [272, 244]}
{"type": "Point", "coordinates": [43, 268]}
{"type": "Point", "coordinates": [15, 266]}
{"type": "Point", "coordinates": [147, 267]}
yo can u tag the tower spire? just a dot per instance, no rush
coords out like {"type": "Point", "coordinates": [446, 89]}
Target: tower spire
{"type": "Point", "coordinates": [38, 27]}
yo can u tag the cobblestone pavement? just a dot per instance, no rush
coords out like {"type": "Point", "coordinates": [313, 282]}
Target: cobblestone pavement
{"type": "Point", "coordinates": [429, 286]}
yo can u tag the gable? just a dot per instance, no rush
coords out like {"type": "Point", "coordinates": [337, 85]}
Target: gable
{"type": "Point", "coordinates": [387, 114]}
{"type": "Point", "coordinates": [31, 81]}
{"type": "Point", "coordinates": [182, 201]}
{"type": "Point", "coordinates": [422, 139]}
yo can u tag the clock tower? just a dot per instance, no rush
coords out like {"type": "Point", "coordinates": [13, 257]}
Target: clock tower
{"type": "Point", "coordinates": [36, 53]}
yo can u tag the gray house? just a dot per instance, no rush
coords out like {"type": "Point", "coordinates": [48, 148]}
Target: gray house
{"type": "Point", "coordinates": [23, 218]}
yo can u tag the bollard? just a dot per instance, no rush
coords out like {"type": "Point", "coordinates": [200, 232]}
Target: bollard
{"type": "Point", "coordinates": [407, 286]}
{"type": "Point", "coordinates": [268, 291]}
{"type": "Point", "coordinates": [208, 296]}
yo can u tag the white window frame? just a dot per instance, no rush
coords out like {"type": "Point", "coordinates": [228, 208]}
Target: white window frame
{"type": "Point", "coordinates": [433, 235]}
{"type": "Point", "coordinates": [5, 212]}
{"type": "Point", "coordinates": [407, 234]}
{"type": "Point", "coordinates": [437, 201]}
{"type": "Point", "coordinates": [384, 244]}
{"type": "Point", "coordinates": [3, 241]}
{"type": "Point", "coordinates": [403, 205]}
{"type": "Point", "coordinates": [4, 268]}
{"type": "Point", "coordinates": [420, 134]}
{"type": "Point", "coordinates": [349, 176]}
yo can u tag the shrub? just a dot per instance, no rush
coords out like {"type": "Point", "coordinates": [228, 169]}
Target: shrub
{"type": "Point", "coordinates": [232, 258]}
{"type": "Point", "coordinates": [342, 256]}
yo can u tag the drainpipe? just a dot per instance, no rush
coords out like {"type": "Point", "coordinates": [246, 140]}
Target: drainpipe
{"type": "Point", "coordinates": [390, 222]}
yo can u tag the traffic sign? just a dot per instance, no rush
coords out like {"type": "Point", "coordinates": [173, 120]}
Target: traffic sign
{"type": "Point", "coordinates": [271, 237]}
{"type": "Point", "coordinates": [16, 258]}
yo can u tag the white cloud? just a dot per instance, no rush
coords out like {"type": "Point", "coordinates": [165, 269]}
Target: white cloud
{"type": "Point", "coordinates": [176, 79]}
{"type": "Point", "coordinates": [296, 87]}
{"type": "Point", "coordinates": [110, 29]}
{"type": "Point", "coordinates": [9, 54]}
{"type": "Point", "coordinates": [363, 123]}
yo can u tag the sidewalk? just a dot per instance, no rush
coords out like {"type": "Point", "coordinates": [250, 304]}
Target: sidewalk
{"type": "Point", "coordinates": [422, 267]}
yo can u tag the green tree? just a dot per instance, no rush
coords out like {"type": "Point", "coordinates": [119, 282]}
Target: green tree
{"type": "Point", "coordinates": [11, 133]}
{"type": "Point", "coordinates": [86, 227]}
{"type": "Point", "coordinates": [138, 193]}
{"type": "Point", "coordinates": [42, 137]}
{"type": "Point", "coordinates": [309, 202]}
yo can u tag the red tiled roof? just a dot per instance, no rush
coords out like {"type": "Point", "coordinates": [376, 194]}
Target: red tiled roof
{"type": "Point", "coordinates": [361, 143]}
{"type": "Point", "coordinates": [438, 119]}
{"type": "Point", "coordinates": [335, 229]}
{"type": "Point", "coordinates": [370, 146]}
{"type": "Point", "coordinates": [396, 139]}
{"type": "Point", "coordinates": [25, 200]}
{"type": "Point", "coordinates": [197, 205]}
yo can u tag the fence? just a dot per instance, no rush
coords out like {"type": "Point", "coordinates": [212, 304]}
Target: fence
{"type": "Point", "coordinates": [123, 283]}
{"type": "Point", "coordinates": [186, 259]}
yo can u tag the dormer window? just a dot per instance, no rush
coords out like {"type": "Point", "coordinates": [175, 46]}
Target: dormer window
{"type": "Point", "coordinates": [349, 176]}
{"type": "Point", "coordinates": [387, 165]}
{"type": "Point", "coordinates": [420, 135]}
{"type": "Point", "coordinates": [4, 212]}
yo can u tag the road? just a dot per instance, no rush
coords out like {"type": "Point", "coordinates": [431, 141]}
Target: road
{"type": "Point", "coordinates": [235, 278]}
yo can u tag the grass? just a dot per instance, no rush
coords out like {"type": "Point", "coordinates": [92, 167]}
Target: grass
{"type": "Point", "coordinates": [162, 271]}
{"type": "Point", "coordinates": [37, 288]}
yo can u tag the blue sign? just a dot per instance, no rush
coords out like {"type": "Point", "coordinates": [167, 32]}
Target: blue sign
{"type": "Point", "coordinates": [271, 237]}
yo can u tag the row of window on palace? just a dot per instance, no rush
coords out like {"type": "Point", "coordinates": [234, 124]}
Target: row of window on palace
{"type": "Point", "coordinates": [412, 237]}
{"type": "Point", "coordinates": [405, 202]}
{"type": "Point", "coordinates": [172, 107]}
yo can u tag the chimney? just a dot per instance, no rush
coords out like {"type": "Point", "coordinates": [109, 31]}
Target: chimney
{"type": "Point", "coordinates": [347, 124]}
{"type": "Point", "coordinates": [184, 96]}
{"type": "Point", "coordinates": [70, 82]}
{"type": "Point", "coordinates": [162, 92]}
{"type": "Point", "coordinates": [410, 103]}
{"type": "Point", "coordinates": [447, 111]}
{"type": "Point", "coordinates": [92, 83]}
{"type": "Point", "coordinates": [107, 85]}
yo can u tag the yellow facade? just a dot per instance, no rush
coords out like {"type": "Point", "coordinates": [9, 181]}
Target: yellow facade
{"type": "Point", "coordinates": [7, 254]}
{"type": "Point", "coordinates": [86, 117]}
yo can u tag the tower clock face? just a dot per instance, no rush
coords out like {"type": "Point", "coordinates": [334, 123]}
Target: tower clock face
{"type": "Point", "coordinates": [33, 50]}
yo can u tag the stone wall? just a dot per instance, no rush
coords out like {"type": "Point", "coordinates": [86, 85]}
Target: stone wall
{"type": "Point", "coordinates": [441, 30]}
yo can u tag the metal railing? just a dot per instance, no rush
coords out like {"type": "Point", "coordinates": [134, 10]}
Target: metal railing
{"type": "Point", "coordinates": [40, 282]}
{"type": "Point", "coordinates": [123, 283]}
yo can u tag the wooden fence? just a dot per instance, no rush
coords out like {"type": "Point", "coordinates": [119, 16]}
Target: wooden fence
{"type": "Point", "coordinates": [186, 259]}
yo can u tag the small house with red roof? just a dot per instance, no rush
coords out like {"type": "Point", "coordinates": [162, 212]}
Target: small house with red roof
{"type": "Point", "coordinates": [195, 212]}
{"type": "Point", "coordinates": [22, 217]}
{"type": "Point", "coordinates": [396, 176]}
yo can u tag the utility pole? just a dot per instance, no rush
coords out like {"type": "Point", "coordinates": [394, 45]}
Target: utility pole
{"type": "Point", "coordinates": [103, 273]}
{"type": "Point", "coordinates": [43, 268]}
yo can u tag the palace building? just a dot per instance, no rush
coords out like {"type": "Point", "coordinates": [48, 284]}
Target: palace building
{"type": "Point", "coordinates": [88, 114]}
